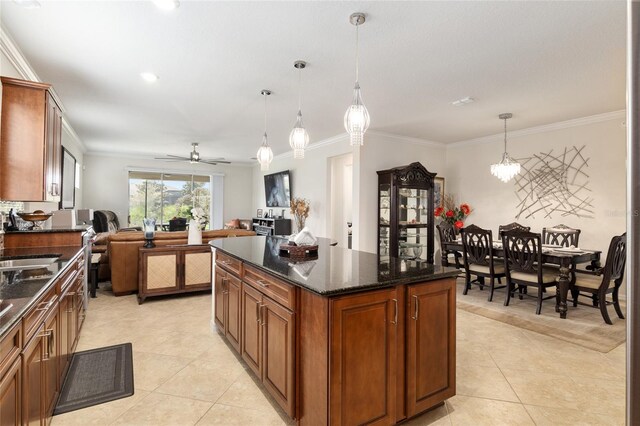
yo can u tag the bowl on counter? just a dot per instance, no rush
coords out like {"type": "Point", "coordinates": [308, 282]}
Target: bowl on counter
{"type": "Point", "coordinates": [38, 218]}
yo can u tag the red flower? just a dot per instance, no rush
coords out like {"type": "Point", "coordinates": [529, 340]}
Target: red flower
{"type": "Point", "coordinates": [449, 213]}
{"type": "Point", "coordinates": [465, 209]}
{"type": "Point", "coordinates": [438, 211]}
{"type": "Point", "coordinates": [458, 224]}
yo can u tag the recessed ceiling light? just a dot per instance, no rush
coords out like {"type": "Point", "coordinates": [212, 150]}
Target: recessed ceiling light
{"type": "Point", "coordinates": [149, 77]}
{"type": "Point", "coordinates": [463, 101]}
{"type": "Point", "coordinates": [166, 4]}
{"type": "Point", "coordinates": [28, 4]}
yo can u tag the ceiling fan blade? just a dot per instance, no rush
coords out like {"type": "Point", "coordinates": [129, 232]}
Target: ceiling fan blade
{"type": "Point", "coordinates": [172, 159]}
{"type": "Point", "coordinates": [178, 156]}
{"type": "Point", "coordinates": [212, 162]}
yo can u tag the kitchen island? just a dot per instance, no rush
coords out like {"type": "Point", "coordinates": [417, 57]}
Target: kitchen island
{"type": "Point", "coordinates": [342, 339]}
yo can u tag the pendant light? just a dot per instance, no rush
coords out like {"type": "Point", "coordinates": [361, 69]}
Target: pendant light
{"type": "Point", "coordinates": [265, 154]}
{"type": "Point", "coordinates": [299, 138]}
{"type": "Point", "coordinates": [507, 168]}
{"type": "Point", "coordinates": [356, 119]}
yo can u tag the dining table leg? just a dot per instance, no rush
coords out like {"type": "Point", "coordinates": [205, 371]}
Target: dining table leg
{"type": "Point", "coordinates": [564, 280]}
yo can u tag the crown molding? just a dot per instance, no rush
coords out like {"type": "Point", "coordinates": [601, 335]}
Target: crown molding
{"type": "Point", "coordinates": [598, 118]}
{"type": "Point", "coordinates": [408, 139]}
{"type": "Point", "coordinates": [15, 56]}
{"type": "Point", "coordinates": [325, 142]}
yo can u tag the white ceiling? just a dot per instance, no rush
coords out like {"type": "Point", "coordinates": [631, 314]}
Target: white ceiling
{"type": "Point", "coordinates": [543, 61]}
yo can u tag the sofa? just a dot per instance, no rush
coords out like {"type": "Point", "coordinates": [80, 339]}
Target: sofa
{"type": "Point", "coordinates": [105, 223]}
{"type": "Point", "coordinates": [123, 253]}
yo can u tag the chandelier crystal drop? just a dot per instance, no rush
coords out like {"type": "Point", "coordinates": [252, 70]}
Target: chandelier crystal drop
{"type": "Point", "coordinates": [299, 138]}
{"type": "Point", "coordinates": [508, 168]}
{"type": "Point", "coordinates": [356, 119]}
{"type": "Point", "coordinates": [265, 154]}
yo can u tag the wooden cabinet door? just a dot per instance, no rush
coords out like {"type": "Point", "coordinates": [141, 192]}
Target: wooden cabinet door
{"type": "Point", "coordinates": [431, 345]}
{"type": "Point", "coordinates": [278, 353]}
{"type": "Point", "coordinates": [160, 272]}
{"type": "Point", "coordinates": [64, 346]}
{"type": "Point", "coordinates": [363, 357]}
{"type": "Point", "coordinates": [197, 270]}
{"type": "Point", "coordinates": [11, 396]}
{"type": "Point", "coordinates": [33, 380]}
{"type": "Point", "coordinates": [232, 311]}
{"type": "Point", "coordinates": [219, 293]}
{"type": "Point", "coordinates": [52, 150]}
{"type": "Point", "coordinates": [251, 333]}
{"type": "Point", "coordinates": [51, 361]}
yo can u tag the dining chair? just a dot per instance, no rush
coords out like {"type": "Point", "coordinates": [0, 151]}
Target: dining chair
{"type": "Point", "coordinates": [523, 265]}
{"type": "Point", "coordinates": [477, 252]}
{"type": "Point", "coordinates": [447, 234]}
{"type": "Point", "coordinates": [561, 235]}
{"type": "Point", "coordinates": [605, 280]}
{"type": "Point", "coordinates": [513, 226]}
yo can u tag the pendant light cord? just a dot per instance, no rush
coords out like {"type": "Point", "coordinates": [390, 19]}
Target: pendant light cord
{"type": "Point", "coordinates": [505, 135]}
{"type": "Point", "coordinates": [357, 52]}
{"type": "Point", "coordinates": [299, 89]}
{"type": "Point", "coordinates": [265, 113]}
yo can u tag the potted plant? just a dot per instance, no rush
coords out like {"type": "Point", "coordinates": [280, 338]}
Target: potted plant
{"type": "Point", "coordinates": [452, 213]}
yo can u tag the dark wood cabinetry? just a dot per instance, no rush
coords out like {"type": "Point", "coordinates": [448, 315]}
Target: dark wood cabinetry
{"type": "Point", "coordinates": [374, 357]}
{"type": "Point", "coordinates": [363, 358]}
{"type": "Point", "coordinates": [35, 354]}
{"type": "Point", "coordinates": [405, 213]}
{"type": "Point", "coordinates": [431, 346]}
{"type": "Point", "coordinates": [30, 142]}
{"type": "Point", "coordinates": [271, 226]}
{"type": "Point", "coordinates": [227, 306]}
{"type": "Point", "coordinates": [173, 269]}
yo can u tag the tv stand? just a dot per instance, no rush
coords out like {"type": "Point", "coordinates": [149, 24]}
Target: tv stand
{"type": "Point", "coordinates": [271, 226]}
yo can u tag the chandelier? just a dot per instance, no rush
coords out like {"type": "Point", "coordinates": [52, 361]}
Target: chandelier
{"type": "Point", "coordinates": [356, 119]}
{"type": "Point", "coordinates": [506, 169]}
{"type": "Point", "coordinates": [265, 154]}
{"type": "Point", "coordinates": [299, 138]}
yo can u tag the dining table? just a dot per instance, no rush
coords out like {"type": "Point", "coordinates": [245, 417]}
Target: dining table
{"type": "Point", "coordinates": [565, 258]}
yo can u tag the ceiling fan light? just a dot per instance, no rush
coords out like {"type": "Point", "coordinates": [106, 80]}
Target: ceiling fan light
{"type": "Point", "coordinates": [299, 138]}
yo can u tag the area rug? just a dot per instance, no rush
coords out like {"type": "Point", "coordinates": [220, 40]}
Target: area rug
{"type": "Point", "coordinates": [584, 325]}
{"type": "Point", "coordinates": [97, 376]}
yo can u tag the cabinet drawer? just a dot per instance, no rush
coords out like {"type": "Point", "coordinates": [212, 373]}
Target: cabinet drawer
{"type": "Point", "coordinates": [229, 263]}
{"type": "Point", "coordinates": [33, 318]}
{"type": "Point", "coordinates": [279, 291]}
{"type": "Point", "coordinates": [10, 347]}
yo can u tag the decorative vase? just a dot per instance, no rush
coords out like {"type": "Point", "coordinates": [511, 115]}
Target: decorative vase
{"type": "Point", "coordinates": [149, 231]}
{"type": "Point", "coordinates": [195, 234]}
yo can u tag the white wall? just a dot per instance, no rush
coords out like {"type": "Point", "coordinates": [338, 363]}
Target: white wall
{"type": "Point", "coordinates": [106, 184]}
{"type": "Point", "coordinates": [494, 203]}
{"type": "Point", "coordinates": [311, 179]}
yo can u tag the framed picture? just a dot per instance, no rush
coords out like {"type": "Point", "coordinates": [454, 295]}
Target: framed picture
{"type": "Point", "coordinates": [68, 195]}
{"type": "Point", "coordinates": [259, 213]}
{"type": "Point", "coordinates": [438, 192]}
{"type": "Point", "coordinates": [270, 212]}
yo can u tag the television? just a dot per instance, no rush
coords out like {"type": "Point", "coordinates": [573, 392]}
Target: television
{"type": "Point", "coordinates": [277, 189]}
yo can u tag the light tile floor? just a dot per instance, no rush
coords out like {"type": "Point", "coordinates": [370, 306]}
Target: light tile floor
{"type": "Point", "coordinates": [186, 375]}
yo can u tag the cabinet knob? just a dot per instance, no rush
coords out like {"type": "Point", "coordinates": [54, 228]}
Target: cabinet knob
{"type": "Point", "coordinates": [262, 284]}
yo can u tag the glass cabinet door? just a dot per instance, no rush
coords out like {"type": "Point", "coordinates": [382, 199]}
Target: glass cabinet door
{"type": "Point", "coordinates": [384, 218]}
{"type": "Point", "coordinates": [413, 220]}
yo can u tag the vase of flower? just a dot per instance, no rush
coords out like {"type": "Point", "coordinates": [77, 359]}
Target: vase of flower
{"type": "Point", "coordinates": [197, 222]}
{"type": "Point", "coordinates": [299, 211]}
{"type": "Point", "coordinates": [452, 213]}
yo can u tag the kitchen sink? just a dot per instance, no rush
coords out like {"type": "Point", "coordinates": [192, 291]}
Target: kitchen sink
{"type": "Point", "coordinates": [22, 264]}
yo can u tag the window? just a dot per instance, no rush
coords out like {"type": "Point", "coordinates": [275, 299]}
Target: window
{"type": "Point", "coordinates": [164, 196]}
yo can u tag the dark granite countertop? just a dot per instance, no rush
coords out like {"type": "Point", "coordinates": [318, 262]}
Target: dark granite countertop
{"type": "Point", "coordinates": [336, 270]}
{"type": "Point", "coordinates": [23, 287]}
{"type": "Point", "coordinates": [77, 228]}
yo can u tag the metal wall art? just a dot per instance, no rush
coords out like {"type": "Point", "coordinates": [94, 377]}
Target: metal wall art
{"type": "Point", "coordinates": [554, 183]}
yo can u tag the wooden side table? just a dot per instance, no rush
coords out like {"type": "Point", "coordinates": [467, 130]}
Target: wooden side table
{"type": "Point", "coordinates": [95, 263]}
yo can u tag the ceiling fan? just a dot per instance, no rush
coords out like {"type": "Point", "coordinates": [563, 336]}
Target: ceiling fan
{"type": "Point", "coordinates": [194, 157]}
